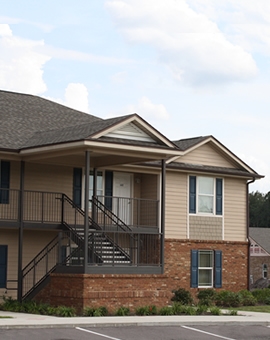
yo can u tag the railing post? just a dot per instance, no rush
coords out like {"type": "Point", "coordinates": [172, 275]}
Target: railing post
{"type": "Point", "coordinates": [20, 238]}
{"type": "Point", "coordinates": [60, 237]}
{"type": "Point", "coordinates": [62, 212]}
{"type": "Point", "coordinates": [162, 213]}
{"type": "Point", "coordinates": [42, 207]}
{"type": "Point", "coordinates": [86, 209]}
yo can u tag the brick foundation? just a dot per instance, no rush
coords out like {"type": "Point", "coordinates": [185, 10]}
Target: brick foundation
{"type": "Point", "coordinates": [115, 290]}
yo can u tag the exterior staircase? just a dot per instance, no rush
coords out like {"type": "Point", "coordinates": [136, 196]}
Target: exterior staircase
{"type": "Point", "coordinates": [102, 247]}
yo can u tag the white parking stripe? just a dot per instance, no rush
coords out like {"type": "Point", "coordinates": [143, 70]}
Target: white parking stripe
{"type": "Point", "coordinates": [103, 335]}
{"type": "Point", "coordinates": [216, 335]}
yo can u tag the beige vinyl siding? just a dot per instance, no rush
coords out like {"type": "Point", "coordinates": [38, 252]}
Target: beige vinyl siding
{"type": "Point", "coordinates": [235, 224]}
{"type": "Point", "coordinates": [149, 186]}
{"type": "Point", "coordinates": [176, 205]}
{"type": "Point", "coordinates": [49, 178]}
{"type": "Point", "coordinates": [206, 155]}
{"type": "Point", "coordinates": [33, 242]}
{"type": "Point", "coordinates": [15, 168]}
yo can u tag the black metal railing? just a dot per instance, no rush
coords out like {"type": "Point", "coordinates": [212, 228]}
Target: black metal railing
{"type": "Point", "coordinates": [61, 250]}
{"type": "Point", "coordinates": [107, 247]}
{"type": "Point", "coordinates": [9, 204]}
{"type": "Point", "coordinates": [42, 207]}
{"type": "Point", "coordinates": [123, 250]}
{"type": "Point", "coordinates": [131, 212]}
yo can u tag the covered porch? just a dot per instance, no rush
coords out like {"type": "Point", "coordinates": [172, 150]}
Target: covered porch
{"type": "Point", "coordinates": [118, 234]}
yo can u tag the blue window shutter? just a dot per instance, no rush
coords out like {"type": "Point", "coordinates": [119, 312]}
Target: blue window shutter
{"type": "Point", "coordinates": [77, 186]}
{"type": "Point", "coordinates": [3, 266]}
{"type": "Point", "coordinates": [219, 195]}
{"type": "Point", "coordinates": [4, 182]}
{"type": "Point", "coordinates": [218, 268]}
{"type": "Point", "coordinates": [194, 268]}
{"type": "Point", "coordinates": [108, 189]}
{"type": "Point", "coordinates": [192, 194]}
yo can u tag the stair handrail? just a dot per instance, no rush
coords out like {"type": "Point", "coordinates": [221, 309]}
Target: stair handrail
{"type": "Point", "coordinates": [96, 226]}
{"type": "Point", "coordinates": [111, 215]}
{"type": "Point", "coordinates": [55, 242]}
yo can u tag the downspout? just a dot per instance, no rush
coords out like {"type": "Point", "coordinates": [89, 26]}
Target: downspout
{"type": "Point", "coordinates": [20, 236]}
{"type": "Point", "coordinates": [86, 209]}
{"type": "Point", "coordinates": [247, 219]}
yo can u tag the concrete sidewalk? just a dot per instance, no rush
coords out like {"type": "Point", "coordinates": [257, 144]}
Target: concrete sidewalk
{"type": "Point", "coordinates": [21, 320]}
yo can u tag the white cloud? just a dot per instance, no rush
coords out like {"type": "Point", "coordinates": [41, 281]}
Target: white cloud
{"type": "Point", "coordinates": [194, 48]}
{"type": "Point", "coordinates": [244, 22]}
{"type": "Point", "coordinates": [147, 109]}
{"type": "Point", "coordinates": [119, 78]}
{"type": "Point", "coordinates": [76, 97]}
{"type": "Point", "coordinates": [20, 63]}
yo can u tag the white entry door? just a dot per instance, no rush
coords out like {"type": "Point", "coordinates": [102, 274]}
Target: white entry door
{"type": "Point", "coordinates": [122, 194]}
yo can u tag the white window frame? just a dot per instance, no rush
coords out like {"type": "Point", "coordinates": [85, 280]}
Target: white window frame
{"type": "Point", "coordinates": [91, 183]}
{"type": "Point", "coordinates": [200, 194]}
{"type": "Point", "coordinates": [210, 268]}
{"type": "Point", "coordinates": [264, 271]}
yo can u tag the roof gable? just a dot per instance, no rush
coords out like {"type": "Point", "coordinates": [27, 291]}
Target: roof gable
{"type": "Point", "coordinates": [132, 132]}
{"type": "Point", "coordinates": [133, 127]}
{"type": "Point", "coordinates": [208, 154]}
{"type": "Point", "coordinates": [209, 151]}
{"type": "Point", "coordinates": [261, 236]}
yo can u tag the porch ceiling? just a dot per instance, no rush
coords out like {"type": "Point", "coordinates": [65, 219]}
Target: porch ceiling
{"type": "Point", "coordinates": [100, 155]}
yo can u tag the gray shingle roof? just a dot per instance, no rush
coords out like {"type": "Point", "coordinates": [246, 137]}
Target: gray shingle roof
{"type": "Point", "coordinates": [261, 236]}
{"type": "Point", "coordinates": [187, 143]}
{"type": "Point", "coordinates": [29, 121]}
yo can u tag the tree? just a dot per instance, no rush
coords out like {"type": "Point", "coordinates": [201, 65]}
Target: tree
{"type": "Point", "coordinates": [259, 209]}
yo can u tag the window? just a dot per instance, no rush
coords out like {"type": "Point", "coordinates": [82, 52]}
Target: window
{"type": "Point", "coordinates": [265, 271]}
{"type": "Point", "coordinates": [206, 268]}
{"type": "Point", "coordinates": [3, 266]}
{"type": "Point", "coordinates": [205, 195]}
{"type": "Point", "coordinates": [99, 184]}
{"type": "Point", "coordinates": [4, 182]}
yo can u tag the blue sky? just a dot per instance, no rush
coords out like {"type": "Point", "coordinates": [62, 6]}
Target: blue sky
{"type": "Point", "coordinates": [189, 67]}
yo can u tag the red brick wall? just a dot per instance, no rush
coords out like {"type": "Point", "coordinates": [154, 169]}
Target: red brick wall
{"type": "Point", "coordinates": [113, 290]}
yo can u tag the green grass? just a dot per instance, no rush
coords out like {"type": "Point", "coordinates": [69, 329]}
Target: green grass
{"type": "Point", "coordinates": [259, 308]}
{"type": "Point", "coordinates": [5, 317]}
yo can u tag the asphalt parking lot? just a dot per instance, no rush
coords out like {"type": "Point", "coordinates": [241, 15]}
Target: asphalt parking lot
{"type": "Point", "coordinates": [229, 332]}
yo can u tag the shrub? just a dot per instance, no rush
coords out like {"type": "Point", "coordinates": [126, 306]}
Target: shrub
{"type": "Point", "coordinates": [206, 297]}
{"type": "Point", "coordinates": [178, 309]}
{"type": "Point", "coordinates": [183, 296]}
{"type": "Point", "coordinates": [262, 295]}
{"type": "Point", "coordinates": [167, 310]}
{"type": "Point", "coordinates": [202, 309]}
{"type": "Point", "coordinates": [122, 311]}
{"type": "Point", "coordinates": [246, 298]}
{"type": "Point", "coordinates": [65, 311]}
{"type": "Point", "coordinates": [215, 311]}
{"type": "Point", "coordinates": [188, 310]}
{"type": "Point", "coordinates": [146, 310]}
{"type": "Point", "coordinates": [92, 311]}
{"type": "Point", "coordinates": [227, 298]}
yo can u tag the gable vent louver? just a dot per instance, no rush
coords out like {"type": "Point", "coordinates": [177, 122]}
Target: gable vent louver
{"type": "Point", "coordinates": [131, 132]}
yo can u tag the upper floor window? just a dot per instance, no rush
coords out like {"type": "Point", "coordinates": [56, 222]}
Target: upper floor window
{"type": "Point", "coordinates": [265, 271]}
{"type": "Point", "coordinates": [99, 183]}
{"type": "Point", "coordinates": [205, 195]}
{"type": "Point", "coordinates": [4, 181]}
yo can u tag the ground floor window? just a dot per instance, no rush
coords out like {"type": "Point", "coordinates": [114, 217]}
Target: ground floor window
{"type": "Point", "coordinates": [206, 268]}
{"type": "Point", "coordinates": [3, 266]}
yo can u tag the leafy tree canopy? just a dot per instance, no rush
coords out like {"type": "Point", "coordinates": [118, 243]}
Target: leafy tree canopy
{"type": "Point", "coordinates": [259, 209]}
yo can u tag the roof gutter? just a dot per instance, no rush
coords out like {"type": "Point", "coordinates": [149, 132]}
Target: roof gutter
{"type": "Point", "coordinates": [247, 219]}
